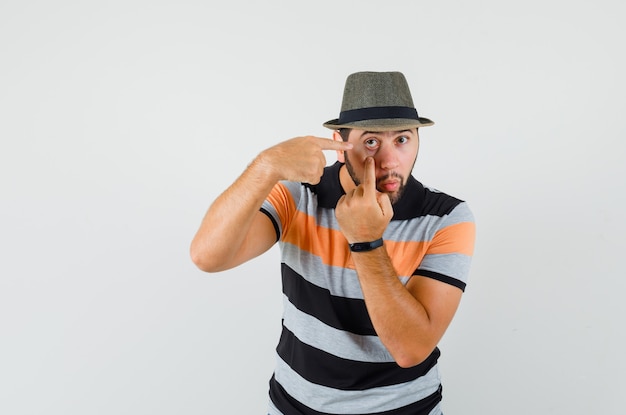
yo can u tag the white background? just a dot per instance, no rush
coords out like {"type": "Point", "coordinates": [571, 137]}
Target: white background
{"type": "Point", "coordinates": [121, 121]}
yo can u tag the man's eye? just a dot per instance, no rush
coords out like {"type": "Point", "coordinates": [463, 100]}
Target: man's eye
{"type": "Point", "coordinates": [403, 139]}
{"type": "Point", "coordinates": [371, 143]}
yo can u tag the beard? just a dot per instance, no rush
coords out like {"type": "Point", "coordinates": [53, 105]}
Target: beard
{"type": "Point", "coordinates": [393, 196]}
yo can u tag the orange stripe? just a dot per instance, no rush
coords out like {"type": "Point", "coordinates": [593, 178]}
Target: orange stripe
{"type": "Point", "coordinates": [283, 202]}
{"type": "Point", "coordinates": [301, 230]}
{"type": "Point", "coordinates": [332, 247]}
{"type": "Point", "coordinates": [406, 255]}
{"type": "Point", "coordinates": [457, 238]}
{"type": "Point", "coordinates": [328, 244]}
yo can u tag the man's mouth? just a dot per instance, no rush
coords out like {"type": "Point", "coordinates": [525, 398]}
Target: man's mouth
{"type": "Point", "coordinates": [389, 186]}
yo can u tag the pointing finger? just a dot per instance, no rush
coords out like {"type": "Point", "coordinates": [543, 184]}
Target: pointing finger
{"type": "Point", "coordinates": [329, 144]}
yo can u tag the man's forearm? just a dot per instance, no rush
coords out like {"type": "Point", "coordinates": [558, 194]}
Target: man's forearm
{"type": "Point", "coordinates": [400, 320]}
{"type": "Point", "coordinates": [228, 220]}
{"type": "Point", "coordinates": [232, 230]}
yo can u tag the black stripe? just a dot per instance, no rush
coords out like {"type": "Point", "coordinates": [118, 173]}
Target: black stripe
{"type": "Point", "coordinates": [439, 204]}
{"type": "Point", "coordinates": [441, 277]}
{"type": "Point", "coordinates": [322, 368]}
{"type": "Point", "coordinates": [329, 189]}
{"type": "Point", "coordinates": [377, 113]}
{"type": "Point", "coordinates": [348, 314]}
{"type": "Point", "coordinates": [411, 203]}
{"type": "Point", "coordinates": [288, 405]}
{"type": "Point", "coordinates": [276, 227]}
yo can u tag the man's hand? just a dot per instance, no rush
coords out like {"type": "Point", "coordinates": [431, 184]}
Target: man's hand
{"type": "Point", "coordinates": [300, 159]}
{"type": "Point", "coordinates": [364, 213]}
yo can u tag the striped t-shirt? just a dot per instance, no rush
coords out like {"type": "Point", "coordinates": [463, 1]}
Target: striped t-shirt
{"type": "Point", "coordinates": [329, 358]}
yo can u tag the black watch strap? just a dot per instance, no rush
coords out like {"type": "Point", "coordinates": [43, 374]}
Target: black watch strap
{"type": "Point", "coordinates": [366, 246]}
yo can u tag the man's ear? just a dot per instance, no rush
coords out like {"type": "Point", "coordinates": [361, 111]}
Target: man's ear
{"type": "Point", "coordinates": [340, 155]}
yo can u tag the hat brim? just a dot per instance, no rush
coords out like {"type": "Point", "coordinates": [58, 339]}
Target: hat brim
{"type": "Point", "coordinates": [384, 124]}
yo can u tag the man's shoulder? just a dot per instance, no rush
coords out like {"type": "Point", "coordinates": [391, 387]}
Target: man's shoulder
{"type": "Point", "coordinates": [328, 191]}
{"type": "Point", "coordinates": [440, 203]}
{"type": "Point", "coordinates": [420, 200]}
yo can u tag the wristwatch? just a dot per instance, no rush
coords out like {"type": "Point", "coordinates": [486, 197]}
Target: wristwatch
{"type": "Point", "coordinates": [366, 246]}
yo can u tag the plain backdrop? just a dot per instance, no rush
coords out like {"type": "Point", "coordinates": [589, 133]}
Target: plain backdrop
{"type": "Point", "coordinates": [121, 121]}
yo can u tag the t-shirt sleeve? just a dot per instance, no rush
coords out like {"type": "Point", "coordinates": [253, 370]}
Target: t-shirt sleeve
{"type": "Point", "coordinates": [449, 254]}
{"type": "Point", "coordinates": [280, 207]}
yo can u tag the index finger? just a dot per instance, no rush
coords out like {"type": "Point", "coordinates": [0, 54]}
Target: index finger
{"type": "Point", "coordinates": [330, 144]}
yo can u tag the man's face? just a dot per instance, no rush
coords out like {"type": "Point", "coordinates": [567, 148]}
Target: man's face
{"type": "Point", "coordinates": [394, 154]}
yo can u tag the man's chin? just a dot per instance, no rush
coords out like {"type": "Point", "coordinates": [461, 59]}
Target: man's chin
{"type": "Point", "coordinates": [394, 196]}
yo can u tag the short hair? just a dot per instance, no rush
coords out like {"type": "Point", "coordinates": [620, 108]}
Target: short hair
{"type": "Point", "coordinates": [345, 133]}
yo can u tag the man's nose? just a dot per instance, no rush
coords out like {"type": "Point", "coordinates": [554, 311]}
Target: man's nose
{"type": "Point", "coordinates": [387, 158]}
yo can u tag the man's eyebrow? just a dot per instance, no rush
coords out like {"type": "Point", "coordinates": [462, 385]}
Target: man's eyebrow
{"type": "Point", "coordinates": [378, 132]}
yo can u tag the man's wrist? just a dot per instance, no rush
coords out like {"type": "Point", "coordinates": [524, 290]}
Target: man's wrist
{"type": "Point", "coordinates": [264, 168]}
{"type": "Point", "coordinates": [366, 246]}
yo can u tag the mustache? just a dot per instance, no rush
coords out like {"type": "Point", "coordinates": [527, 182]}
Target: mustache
{"type": "Point", "coordinates": [391, 175]}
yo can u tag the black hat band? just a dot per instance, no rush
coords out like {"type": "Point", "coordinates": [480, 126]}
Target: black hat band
{"type": "Point", "coordinates": [376, 113]}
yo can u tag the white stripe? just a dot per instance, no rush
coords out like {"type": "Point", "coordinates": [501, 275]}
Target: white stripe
{"type": "Point", "coordinates": [272, 410]}
{"type": "Point", "coordinates": [272, 211]}
{"type": "Point", "coordinates": [453, 265]}
{"type": "Point", "coordinates": [339, 343]}
{"type": "Point", "coordinates": [420, 229]}
{"type": "Point", "coordinates": [436, 410]}
{"type": "Point", "coordinates": [423, 229]}
{"type": "Point", "coordinates": [341, 282]}
{"type": "Point", "coordinates": [329, 400]}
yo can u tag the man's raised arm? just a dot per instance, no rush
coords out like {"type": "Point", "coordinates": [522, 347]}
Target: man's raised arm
{"type": "Point", "coordinates": [233, 230]}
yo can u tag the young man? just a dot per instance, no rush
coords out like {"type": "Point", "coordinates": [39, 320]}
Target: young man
{"type": "Point", "coordinates": [373, 263]}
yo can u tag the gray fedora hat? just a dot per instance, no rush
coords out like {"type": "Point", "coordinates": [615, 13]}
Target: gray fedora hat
{"type": "Point", "coordinates": [377, 101]}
